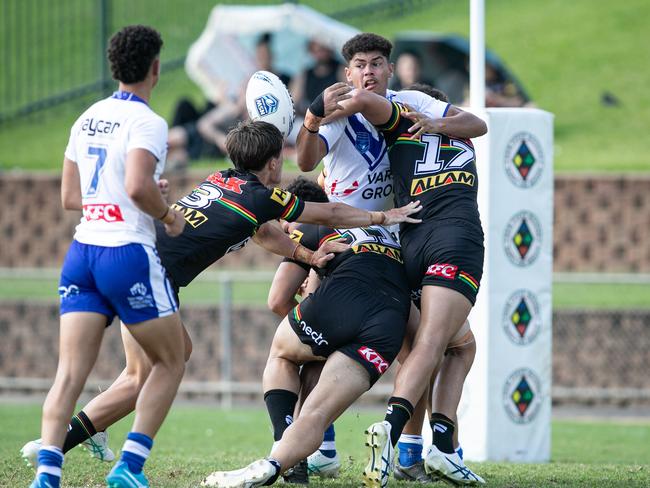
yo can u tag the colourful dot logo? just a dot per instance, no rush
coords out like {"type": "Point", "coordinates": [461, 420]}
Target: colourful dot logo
{"type": "Point", "coordinates": [524, 159]}
{"type": "Point", "coordinates": [522, 238]}
{"type": "Point", "coordinates": [522, 396]}
{"type": "Point", "coordinates": [521, 317]}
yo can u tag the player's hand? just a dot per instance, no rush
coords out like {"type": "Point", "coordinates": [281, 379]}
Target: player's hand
{"type": "Point", "coordinates": [177, 225]}
{"type": "Point", "coordinates": [401, 214]}
{"type": "Point", "coordinates": [334, 95]}
{"type": "Point", "coordinates": [163, 186]}
{"type": "Point", "coordinates": [325, 253]}
{"type": "Point", "coordinates": [423, 124]}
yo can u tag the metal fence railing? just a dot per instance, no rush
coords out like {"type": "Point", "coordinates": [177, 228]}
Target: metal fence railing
{"type": "Point", "coordinates": [53, 51]}
{"type": "Point", "coordinates": [599, 356]}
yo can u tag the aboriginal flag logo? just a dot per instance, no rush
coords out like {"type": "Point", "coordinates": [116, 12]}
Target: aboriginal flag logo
{"type": "Point", "coordinates": [522, 238]}
{"type": "Point", "coordinates": [524, 159]}
{"type": "Point", "coordinates": [521, 317]}
{"type": "Point", "coordinates": [522, 396]}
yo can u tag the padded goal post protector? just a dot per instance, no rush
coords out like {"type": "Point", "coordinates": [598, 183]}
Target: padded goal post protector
{"type": "Point", "coordinates": [505, 409]}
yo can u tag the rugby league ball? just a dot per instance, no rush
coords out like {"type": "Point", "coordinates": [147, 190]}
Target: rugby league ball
{"type": "Point", "coordinates": [268, 100]}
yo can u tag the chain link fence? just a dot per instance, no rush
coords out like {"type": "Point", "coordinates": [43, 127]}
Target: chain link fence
{"type": "Point", "coordinates": [54, 51]}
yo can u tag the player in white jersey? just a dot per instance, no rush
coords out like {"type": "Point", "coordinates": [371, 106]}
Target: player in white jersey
{"type": "Point", "coordinates": [357, 172]}
{"type": "Point", "coordinates": [115, 155]}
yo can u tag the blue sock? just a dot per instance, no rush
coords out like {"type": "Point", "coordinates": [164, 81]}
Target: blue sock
{"type": "Point", "coordinates": [50, 461]}
{"type": "Point", "coordinates": [410, 450]}
{"type": "Point", "coordinates": [459, 451]}
{"type": "Point", "coordinates": [136, 450]}
{"type": "Point", "coordinates": [328, 447]}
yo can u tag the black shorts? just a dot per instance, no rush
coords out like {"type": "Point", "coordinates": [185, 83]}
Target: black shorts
{"type": "Point", "coordinates": [349, 316]}
{"type": "Point", "coordinates": [445, 253]}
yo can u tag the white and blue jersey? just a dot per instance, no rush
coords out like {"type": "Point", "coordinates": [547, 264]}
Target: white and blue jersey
{"type": "Point", "coordinates": [112, 267]}
{"type": "Point", "coordinates": [356, 163]}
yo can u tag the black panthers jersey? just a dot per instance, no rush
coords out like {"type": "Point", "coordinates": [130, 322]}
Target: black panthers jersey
{"type": "Point", "coordinates": [221, 215]}
{"type": "Point", "coordinates": [436, 169]}
{"type": "Point", "coordinates": [374, 257]}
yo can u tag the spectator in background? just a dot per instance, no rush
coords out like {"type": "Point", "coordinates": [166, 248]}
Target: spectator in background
{"type": "Point", "coordinates": [202, 134]}
{"type": "Point", "coordinates": [408, 70]}
{"type": "Point", "coordinates": [502, 92]}
{"type": "Point", "coordinates": [326, 71]}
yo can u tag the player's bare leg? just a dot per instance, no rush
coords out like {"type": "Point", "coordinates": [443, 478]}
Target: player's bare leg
{"type": "Point", "coordinates": [119, 399]}
{"type": "Point", "coordinates": [162, 340]}
{"type": "Point", "coordinates": [325, 403]}
{"type": "Point", "coordinates": [329, 399]}
{"type": "Point", "coordinates": [410, 466]}
{"type": "Point", "coordinates": [81, 335]}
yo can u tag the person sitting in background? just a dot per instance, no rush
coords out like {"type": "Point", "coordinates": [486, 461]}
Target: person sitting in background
{"type": "Point", "coordinates": [205, 135]}
{"type": "Point", "coordinates": [408, 70]}
{"type": "Point", "coordinates": [325, 71]}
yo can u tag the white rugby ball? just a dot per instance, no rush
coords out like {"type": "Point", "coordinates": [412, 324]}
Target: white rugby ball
{"type": "Point", "coordinates": [268, 100]}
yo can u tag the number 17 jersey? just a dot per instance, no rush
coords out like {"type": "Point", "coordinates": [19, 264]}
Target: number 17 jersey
{"type": "Point", "coordinates": [436, 169]}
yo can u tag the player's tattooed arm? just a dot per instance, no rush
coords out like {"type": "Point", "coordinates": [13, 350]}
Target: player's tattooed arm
{"type": "Point", "coordinates": [70, 186]}
{"type": "Point", "coordinates": [457, 123]}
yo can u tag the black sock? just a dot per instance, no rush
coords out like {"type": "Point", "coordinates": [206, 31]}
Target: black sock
{"type": "Point", "coordinates": [80, 429]}
{"type": "Point", "coordinates": [443, 432]}
{"type": "Point", "coordinates": [399, 412]}
{"type": "Point", "coordinates": [280, 404]}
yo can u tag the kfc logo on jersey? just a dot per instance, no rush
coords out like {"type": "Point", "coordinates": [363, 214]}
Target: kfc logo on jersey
{"type": "Point", "coordinates": [374, 358]}
{"type": "Point", "coordinates": [443, 270]}
{"type": "Point", "coordinates": [107, 212]}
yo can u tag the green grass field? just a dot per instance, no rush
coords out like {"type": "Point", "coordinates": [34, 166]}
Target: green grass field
{"type": "Point", "coordinates": [565, 295]}
{"type": "Point", "coordinates": [565, 53]}
{"type": "Point", "coordinates": [195, 441]}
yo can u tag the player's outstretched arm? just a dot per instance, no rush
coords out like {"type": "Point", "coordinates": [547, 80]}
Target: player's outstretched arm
{"type": "Point", "coordinates": [344, 216]}
{"type": "Point", "coordinates": [272, 238]}
{"type": "Point", "coordinates": [457, 123]}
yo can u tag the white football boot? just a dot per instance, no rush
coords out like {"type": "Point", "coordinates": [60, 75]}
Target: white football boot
{"type": "Point", "coordinates": [450, 467]}
{"type": "Point", "coordinates": [380, 462]}
{"type": "Point", "coordinates": [320, 465]}
{"type": "Point", "coordinates": [96, 445]}
{"type": "Point", "coordinates": [255, 474]}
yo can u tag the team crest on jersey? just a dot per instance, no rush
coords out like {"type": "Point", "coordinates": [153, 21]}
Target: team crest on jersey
{"type": "Point", "coordinates": [363, 141]}
{"type": "Point", "coordinates": [371, 148]}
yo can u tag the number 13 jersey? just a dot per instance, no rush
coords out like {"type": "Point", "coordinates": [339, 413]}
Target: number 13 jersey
{"type": "Point", "coordinates": [99, 142]}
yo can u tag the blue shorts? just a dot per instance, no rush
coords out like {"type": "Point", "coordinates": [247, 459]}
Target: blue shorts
{"type": "Point", "coordinates": [128, 281]}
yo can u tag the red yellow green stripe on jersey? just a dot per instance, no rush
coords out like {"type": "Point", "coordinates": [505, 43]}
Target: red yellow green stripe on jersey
{"type": "Point", "coordinates": [238, 209]}
{"type": "Point", "coordinates": [394, 119]}
{"type": "Point", "coordinates": [296, 313]}
{"type": "Point", "coordinates": [334, 236]}
{"type": "Point", "coordinates": [467, 278]}
{"type": "Point", "coordinates": [290, 209]}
